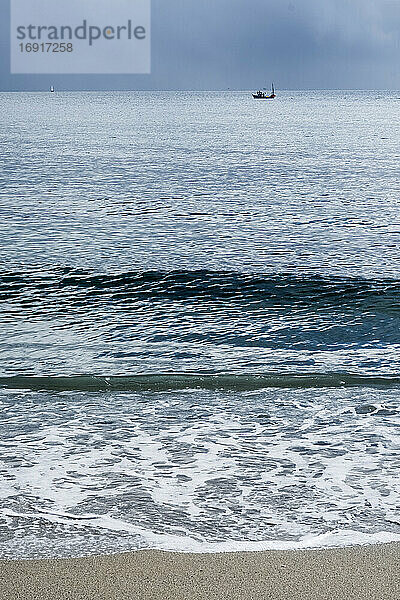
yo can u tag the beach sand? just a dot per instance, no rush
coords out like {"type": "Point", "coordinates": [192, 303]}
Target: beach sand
{"type": "Point", "coordinates": [362, 573]}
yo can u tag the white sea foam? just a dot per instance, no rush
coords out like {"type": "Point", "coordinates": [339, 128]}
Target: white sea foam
{"type": "Point", "coordinates": [199, 471]}
{"type": "Point", "coordinates": [183, 543]}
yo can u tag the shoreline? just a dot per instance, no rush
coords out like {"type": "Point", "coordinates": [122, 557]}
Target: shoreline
{"type": "Point", "coordinates": [353, 573]}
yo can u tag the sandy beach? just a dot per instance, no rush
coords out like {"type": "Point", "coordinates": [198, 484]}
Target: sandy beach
{"type": "Point", "coordinates": [358, 573]}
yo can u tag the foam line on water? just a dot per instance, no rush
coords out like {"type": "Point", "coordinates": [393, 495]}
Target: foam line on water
{"type": "Point", "coordinates": [337, 538]}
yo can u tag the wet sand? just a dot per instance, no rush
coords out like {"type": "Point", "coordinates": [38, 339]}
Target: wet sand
{"type": "Point", "coordinates": [358, 573]}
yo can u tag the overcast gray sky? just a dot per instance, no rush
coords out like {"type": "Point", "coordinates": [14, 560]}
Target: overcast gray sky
{"type": "Point", "coordinates": [245, 44]}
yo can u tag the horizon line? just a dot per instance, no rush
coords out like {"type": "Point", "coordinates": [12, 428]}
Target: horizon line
{"type": "Point", "coordinates": [205, 90]}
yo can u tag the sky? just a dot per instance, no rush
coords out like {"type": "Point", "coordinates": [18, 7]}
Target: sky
{"type": "Point", "coordinates": [247, 44]}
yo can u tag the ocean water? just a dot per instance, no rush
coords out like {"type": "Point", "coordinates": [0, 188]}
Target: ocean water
{"type": "Point", "coordinates": [199, 321]}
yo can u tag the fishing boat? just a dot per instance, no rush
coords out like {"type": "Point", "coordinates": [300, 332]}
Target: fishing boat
{"type": "Point", "coordinates": [52, 88]}
{"type": "Point", "coordinates": [263, 96]}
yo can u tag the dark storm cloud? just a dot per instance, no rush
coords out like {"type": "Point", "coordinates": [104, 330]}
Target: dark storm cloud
{"type": "Point", "coordinates": [312, 43]}
{"type": "Point", "coordinates": [240, 44]}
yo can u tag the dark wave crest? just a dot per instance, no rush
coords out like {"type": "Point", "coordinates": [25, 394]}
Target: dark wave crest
{"type": "Point", "coordinates": [182, 381]}
{"type": "Point", "coordinates": [78, 285]}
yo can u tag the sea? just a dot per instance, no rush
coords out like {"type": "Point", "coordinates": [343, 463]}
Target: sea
{"type": "Point", "coordinates": [199, 321]}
